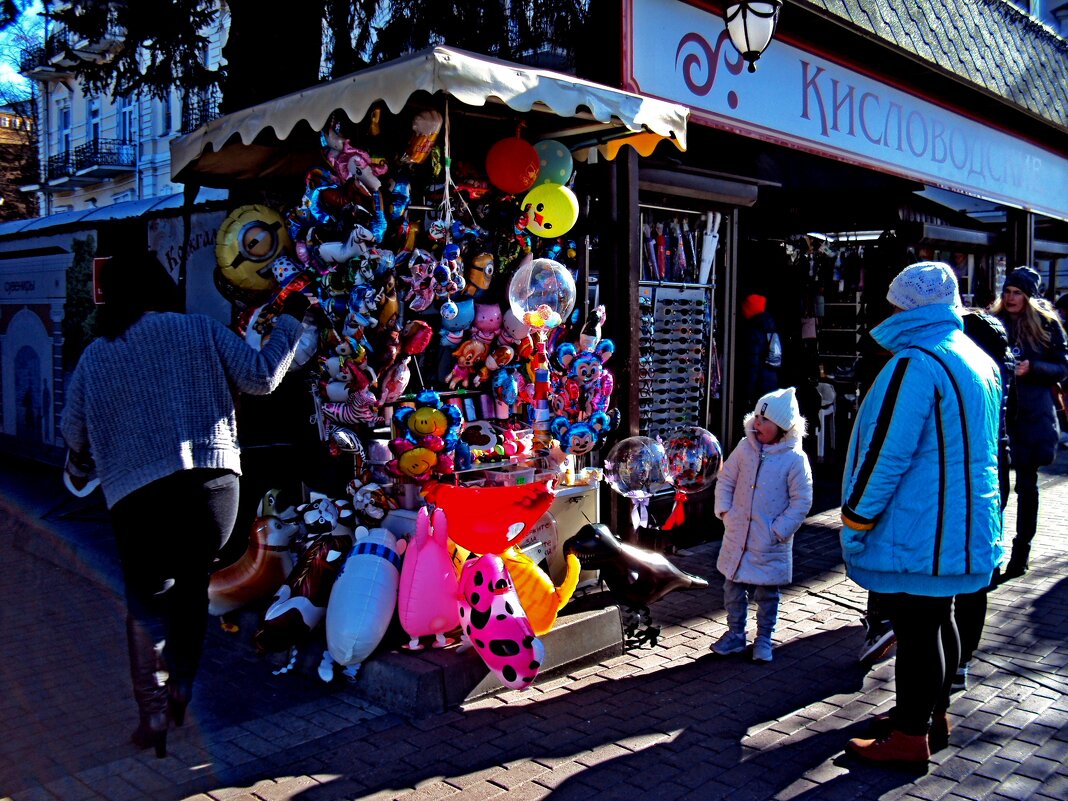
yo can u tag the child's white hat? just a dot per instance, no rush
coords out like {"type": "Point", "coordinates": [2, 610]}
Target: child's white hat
{"type": "Point", "coordinates": [780, 407]}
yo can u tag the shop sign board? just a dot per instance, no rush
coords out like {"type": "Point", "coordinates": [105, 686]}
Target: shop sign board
{"type": "Point", "coordinates": [679, 52]}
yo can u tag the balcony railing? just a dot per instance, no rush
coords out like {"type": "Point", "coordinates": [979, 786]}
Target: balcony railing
{"type": "Point", "coordinates": [199, 108]}
{"type": "Point", "coordinates": [105, 157]}
{"type": "Point", "coordinates": [60, 166]}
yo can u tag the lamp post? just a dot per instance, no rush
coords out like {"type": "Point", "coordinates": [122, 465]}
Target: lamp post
{"type": "Point", "coordinates": [751, 24]}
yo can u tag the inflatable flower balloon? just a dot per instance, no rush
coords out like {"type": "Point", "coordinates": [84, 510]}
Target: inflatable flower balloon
{"type": "Point", "coordinates": [634, 468]}
{"type": "Point", "coordinates": [694, 457]}
{"type": "Point", "coordinates": [431, 430]}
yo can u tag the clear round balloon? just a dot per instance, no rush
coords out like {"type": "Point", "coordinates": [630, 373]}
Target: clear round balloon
{"type": "Point", "coordinates": [693, 457]}
{"type": "Point", "coordinates": [542, 293]}
{"type": "Point", "coordinates": [635, 467]}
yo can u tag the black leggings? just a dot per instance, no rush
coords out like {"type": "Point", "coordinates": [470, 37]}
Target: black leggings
{"type": "Point", "coordinates": [928, 651]}
{"type": "Point", "coordinates": [168, 534]}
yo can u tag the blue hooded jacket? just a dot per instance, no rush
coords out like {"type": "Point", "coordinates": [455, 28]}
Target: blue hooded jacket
{"type": "Point", "coordinates": [922, 466]}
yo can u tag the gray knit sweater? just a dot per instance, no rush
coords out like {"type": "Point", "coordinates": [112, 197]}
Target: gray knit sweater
{"type": "Point", "coordinates": [159, 398]}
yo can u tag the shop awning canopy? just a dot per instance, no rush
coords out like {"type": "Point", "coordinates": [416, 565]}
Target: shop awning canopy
{"type": "Point", "coordinates": [258, 142]}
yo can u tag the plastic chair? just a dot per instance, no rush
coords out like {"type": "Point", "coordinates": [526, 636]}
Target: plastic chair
{"type": "Point", "coordinates": [825, 434]}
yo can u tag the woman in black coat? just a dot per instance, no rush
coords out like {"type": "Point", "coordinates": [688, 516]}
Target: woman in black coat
{"type": "Point", "coordinates": [1038, 345]}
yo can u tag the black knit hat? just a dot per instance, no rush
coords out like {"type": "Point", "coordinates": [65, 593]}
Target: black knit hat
{"type": "Point", "coordinates": [1025, 279]}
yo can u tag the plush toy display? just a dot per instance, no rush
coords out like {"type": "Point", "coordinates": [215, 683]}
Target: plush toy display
{"type": "Point", "coordinates": [427, 602]}
{"type": "Point", "coordinates": [493, 621]}
{"type": "Point", "coordinates": [362, 600]}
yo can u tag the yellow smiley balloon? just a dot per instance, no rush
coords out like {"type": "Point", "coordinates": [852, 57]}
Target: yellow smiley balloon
{"type": "Point", "coordinates": [552, 210]}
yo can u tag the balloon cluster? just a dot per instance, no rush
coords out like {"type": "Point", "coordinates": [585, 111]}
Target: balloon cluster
{"type": "Point", "coordinates": [386, 281]}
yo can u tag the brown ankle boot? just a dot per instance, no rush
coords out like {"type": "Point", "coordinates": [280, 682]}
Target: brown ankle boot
{"type": "Point", "coordinates": [896, 747]}
{"type": "Point", "coordinates": [880, 727]}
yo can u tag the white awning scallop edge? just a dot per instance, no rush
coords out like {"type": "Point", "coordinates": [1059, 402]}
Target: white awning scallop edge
{"type": "Point", "coordinates": [472, 79]}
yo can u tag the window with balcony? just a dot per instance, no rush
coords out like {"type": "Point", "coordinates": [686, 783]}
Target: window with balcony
{"type": "Point", "coordinates": [165, 115]}
{"type": "Point", "coordinates": [63, 127]}
{"type": "Point", "coordinates": [92, 119]}
{"type": "Point", "coordinates": [127, 119]}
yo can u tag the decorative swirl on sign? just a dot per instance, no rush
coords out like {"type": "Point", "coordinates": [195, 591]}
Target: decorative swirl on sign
{"type": "Point", "coordinates": [706, 60]}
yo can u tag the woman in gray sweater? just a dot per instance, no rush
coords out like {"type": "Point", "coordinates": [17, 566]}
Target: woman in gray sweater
{"type": "Point", "coordinates": [151, 403]}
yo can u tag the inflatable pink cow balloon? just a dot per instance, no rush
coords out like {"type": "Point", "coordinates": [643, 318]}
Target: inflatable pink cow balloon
{"type": "Point", "coordinates": [427, 603]}
{"type": "Point", "coordinates": [494, 622]}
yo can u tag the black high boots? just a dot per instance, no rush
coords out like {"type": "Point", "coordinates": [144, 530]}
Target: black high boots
{"type": "Point", "coordinates": [149, 693]}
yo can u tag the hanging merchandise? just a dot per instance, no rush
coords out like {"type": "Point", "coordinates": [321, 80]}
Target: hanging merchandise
{"type": "Point", "coordinates": [554, 162]}
{"type": "Point", "coordinates": [512, 165]}
{"type": "Point", "coordinates": [551, 210]}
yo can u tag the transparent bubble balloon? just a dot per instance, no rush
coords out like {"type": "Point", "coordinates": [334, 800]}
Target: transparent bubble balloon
{"type": "Point", "coordinates": [635, 467]}
{"type": "Point", "coordinates": [693, 456]}
{"type": "Point", "coordinates": [542, 293]}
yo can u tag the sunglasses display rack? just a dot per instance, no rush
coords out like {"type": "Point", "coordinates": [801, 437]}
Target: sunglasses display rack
{"type": "Point", "coordinates": [674, 337]}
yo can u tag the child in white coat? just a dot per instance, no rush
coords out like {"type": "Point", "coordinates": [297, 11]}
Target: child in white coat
{"type": "Point", "coordinates": [762, 496]}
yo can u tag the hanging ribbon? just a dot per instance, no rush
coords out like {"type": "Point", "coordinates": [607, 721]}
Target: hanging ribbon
{"type": "Point", "coordinates": [639, 513]}
{"type": "Point", "coordinates": [678, 513]}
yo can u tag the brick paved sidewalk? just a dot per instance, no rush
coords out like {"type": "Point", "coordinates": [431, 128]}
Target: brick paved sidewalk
{"type": "Point", "coordinates": [666, 722]}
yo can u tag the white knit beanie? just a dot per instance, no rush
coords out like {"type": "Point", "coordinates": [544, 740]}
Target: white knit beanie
{"type": "Point", "coordinates": [780, 407]}
{"type": "Point", "coordinates": [924, 284]}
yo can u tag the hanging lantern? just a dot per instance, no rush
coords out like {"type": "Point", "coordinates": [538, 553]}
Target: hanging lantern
{"type": "Point", "coordinates": [751, 26]}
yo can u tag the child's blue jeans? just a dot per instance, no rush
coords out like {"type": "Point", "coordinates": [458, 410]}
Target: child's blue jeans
{"type": "Point", "coordinates": [736, 602]}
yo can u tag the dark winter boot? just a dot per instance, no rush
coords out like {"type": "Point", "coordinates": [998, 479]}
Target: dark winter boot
{"type": "Point", "coordinates": [1018, 562]}
{"type": "Point", "coordinates": [149, 693]}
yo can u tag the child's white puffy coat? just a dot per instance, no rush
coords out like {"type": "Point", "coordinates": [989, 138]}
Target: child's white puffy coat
{"type": "Point", "coordinates": [762, 496]}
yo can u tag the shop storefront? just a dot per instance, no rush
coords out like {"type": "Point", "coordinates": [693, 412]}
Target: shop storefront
{"type": "Point", "coordinates": [822, 177]}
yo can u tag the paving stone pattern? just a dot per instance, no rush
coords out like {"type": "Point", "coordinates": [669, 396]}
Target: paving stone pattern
{"type": "Point", "coordinates": [666, 722]}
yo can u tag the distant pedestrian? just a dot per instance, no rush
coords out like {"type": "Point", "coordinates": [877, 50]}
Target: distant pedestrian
{"type": "Point", "coordinates": [760, 349]}
{"type": "Point", "coordinates": [763, 494]}
{"type": "Point", "coordinates": [151, 402]}
{"type": "Point", "coordinates": [920, 513]}
{"type": "Point", "coordinates": [1038, 345]}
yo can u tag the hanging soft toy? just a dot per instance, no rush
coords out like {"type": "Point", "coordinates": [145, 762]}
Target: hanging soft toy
{"type": "Point", "coordinates": [362, 601]}
{"type": "Point", "coordinates": [427, 603]}
{"type": "Point", "coordinates": [430, 432]}
{"type": "Point", "coordinates": [493, 621]}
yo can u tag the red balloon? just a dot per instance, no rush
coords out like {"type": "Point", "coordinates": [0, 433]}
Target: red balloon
{"type": "Point", "coordinates": [512, 165]}
{"type": "Point", "coordinates": [490, 519]}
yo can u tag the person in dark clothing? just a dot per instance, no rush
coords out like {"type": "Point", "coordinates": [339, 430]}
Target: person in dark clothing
{"type": "Point", "coordinates": [761, 375]}
{"type": "Point", "coordinates": [1041, 358]}
{"type": "Point", "coordinates": [168, 462]}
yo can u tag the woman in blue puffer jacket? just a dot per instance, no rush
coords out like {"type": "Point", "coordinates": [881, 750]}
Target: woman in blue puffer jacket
{"type": "Point", "coordinates": [921, 513]}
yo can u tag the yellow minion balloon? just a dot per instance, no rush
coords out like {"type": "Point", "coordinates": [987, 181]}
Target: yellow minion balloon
{"type": "Point", "coordinates": [249, 240]}
{"type": "Point", "coordinates": [551, 209]}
